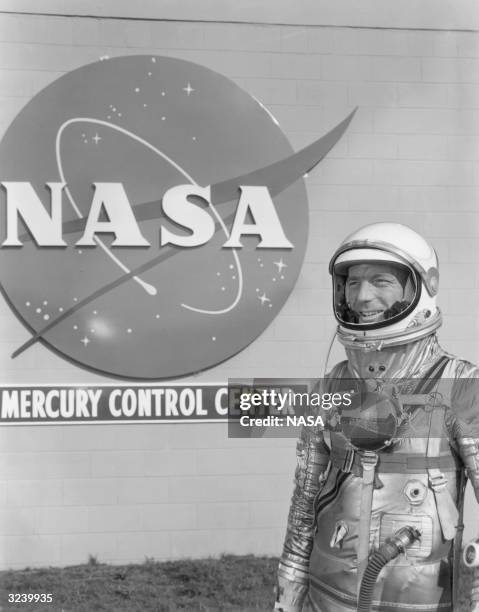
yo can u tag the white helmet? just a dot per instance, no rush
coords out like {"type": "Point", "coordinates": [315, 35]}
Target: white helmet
{"type": "Point", "coordinates": [413, 260]}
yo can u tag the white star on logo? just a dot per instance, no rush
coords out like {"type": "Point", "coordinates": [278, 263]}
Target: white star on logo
{"type": "Point", "coordinates": [97, 138]}
{"type": "Point", "coordinates": [263, 299]}
{"type": "Point", "coordinates": [85, 341]}
{"type": "Point", "coordinates": [188, 89]}
{"type": "Point", "coordinates": [280, 265]}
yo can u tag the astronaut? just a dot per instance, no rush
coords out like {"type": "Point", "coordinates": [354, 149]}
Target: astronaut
{"type": "Point", "coordinates": [376, 515]}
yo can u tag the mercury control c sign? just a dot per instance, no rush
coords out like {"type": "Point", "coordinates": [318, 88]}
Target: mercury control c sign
{"type": "Point", "coordinates": [153, 217]}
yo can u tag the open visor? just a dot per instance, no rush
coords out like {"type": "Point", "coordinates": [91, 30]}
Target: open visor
{"type": "Point", "coordinates": [384, 305]}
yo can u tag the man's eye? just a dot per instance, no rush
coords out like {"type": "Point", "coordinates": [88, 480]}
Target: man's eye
{"type": "Point", "coordinates": [382, 282]}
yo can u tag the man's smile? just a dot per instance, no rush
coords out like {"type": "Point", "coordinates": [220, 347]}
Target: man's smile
{"type": "Point", "coordinates": [368, 316]}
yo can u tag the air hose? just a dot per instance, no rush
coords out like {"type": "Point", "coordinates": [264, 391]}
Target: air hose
{"type": "Point", "coordinates": [392, 547]}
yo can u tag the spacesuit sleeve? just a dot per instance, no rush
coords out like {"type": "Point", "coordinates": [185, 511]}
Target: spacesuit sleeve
{"type": "Point", "coordinates": [464, 419]}
{"type": "Point", "coordinates": [464, 422]}
{"type": "Point", "coordinates": [312, 456]}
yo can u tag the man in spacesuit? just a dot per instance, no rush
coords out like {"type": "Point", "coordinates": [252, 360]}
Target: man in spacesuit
{"type": "Point", "coordinates": [376, 516]}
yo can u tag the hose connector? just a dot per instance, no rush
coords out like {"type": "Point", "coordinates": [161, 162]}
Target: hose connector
{"type": "Point", "coordinates": [392, 548]}
{"type": "Point", "coordinates": [470, 555]}
{"type": "Point", "coordinates": [404, 538]}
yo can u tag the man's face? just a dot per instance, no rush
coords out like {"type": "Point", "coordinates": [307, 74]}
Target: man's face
{"type": "Point", "coordinates": [371, 289]}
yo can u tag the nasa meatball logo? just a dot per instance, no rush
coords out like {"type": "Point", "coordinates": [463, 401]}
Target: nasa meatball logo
{"type": "Point", "coordinates": [155, 218]}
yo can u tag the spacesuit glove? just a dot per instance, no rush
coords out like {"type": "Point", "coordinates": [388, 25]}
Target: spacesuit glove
{"type": "Point", "coordinates": [289, 595]}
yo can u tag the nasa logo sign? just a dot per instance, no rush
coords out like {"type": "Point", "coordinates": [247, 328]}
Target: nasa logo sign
{"type": "Point", "coordinates": [155, 219]}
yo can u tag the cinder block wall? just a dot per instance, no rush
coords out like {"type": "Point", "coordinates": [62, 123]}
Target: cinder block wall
{"type": "Point", "coordinates": [123, 492]}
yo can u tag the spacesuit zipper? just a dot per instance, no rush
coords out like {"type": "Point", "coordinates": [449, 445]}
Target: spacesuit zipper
{"type": "Point", "coordinates": [319, 504]}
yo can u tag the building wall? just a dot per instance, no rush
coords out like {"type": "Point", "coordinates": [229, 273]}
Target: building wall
{"type": "Point", "coordinates": [123, 492]}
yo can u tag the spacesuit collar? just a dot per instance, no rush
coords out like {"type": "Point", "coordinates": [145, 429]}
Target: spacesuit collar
{"type": "Point", "coordinates": [409, 360]}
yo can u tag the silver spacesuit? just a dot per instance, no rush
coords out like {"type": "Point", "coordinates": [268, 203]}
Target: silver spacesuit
{"type": "Point", "coordinates": [376, 516]}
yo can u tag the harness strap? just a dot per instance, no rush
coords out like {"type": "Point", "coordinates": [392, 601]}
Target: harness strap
{"type": "Point", "coordinates": [431, 377]}
{"type": "Point", "coordinates": [457, 547]}
{"type": "Point", "coordinates": [398, 463]}
{"type": "Point", "coordinates": [447, 511]}
{"type": "Point", "coordinates": [369, 461]}
{"type": "Point", "coordinates": [446, 508]}
{"type": "Point", "coordinates": [416, 399]}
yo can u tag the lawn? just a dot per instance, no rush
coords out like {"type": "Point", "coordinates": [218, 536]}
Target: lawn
{"type": "Point", "coordinates": [230, 583]}
{"type": "Point", "coordinates": [209, 585]}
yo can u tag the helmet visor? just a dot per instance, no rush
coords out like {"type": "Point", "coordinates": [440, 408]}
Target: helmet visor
{"type": "Point", "coordinates": [370, 294]}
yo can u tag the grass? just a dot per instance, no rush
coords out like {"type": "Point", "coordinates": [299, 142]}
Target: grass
{"type": "Point", "coordinates": [211, 585]}
{"type": "Point", "coordinates": [230, 583]}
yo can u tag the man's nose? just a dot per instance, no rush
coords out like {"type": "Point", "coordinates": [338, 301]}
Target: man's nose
{"type": "Point", "coordinates": [365, 293]}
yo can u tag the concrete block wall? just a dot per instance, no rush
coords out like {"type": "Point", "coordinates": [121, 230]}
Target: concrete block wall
{"type": "Point", "coordinates": [123, 492]}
